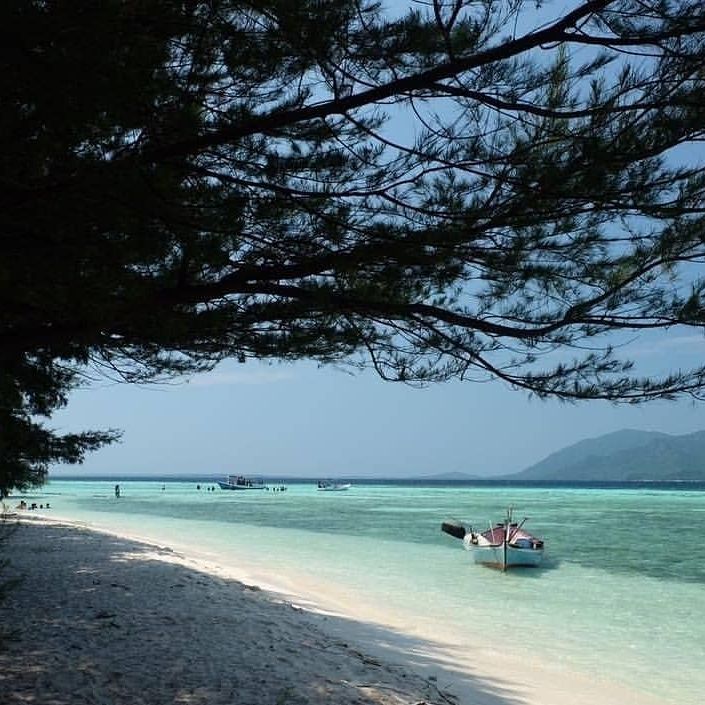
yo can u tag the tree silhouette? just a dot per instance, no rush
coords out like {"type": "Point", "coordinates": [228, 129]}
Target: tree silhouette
{"type": "Point", "coordinates": [464, 190]}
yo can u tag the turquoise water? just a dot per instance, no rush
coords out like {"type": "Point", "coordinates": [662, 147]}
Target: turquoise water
{"type": "Point", "coordinates": [622, 595]}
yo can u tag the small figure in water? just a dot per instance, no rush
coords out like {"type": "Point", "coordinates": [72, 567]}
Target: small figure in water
{"type": "Point", "coordinates": [117, 490]}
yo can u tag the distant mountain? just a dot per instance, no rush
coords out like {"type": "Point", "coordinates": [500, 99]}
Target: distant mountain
{"type": "Point", "coordinates": [624, 456]}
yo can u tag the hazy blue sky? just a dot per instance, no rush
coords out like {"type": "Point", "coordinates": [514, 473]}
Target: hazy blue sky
{"type": "Point", "coordinates": [302, 420]}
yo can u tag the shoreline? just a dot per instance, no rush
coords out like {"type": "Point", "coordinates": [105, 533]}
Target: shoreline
{"type": "Point", "coordinates": [416, 669]}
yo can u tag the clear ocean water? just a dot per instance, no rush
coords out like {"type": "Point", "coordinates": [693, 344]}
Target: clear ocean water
{"type": "Point", "coordinates": [622, 595]}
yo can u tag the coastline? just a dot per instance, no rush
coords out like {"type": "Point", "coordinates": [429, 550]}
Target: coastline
{"type": "Point", "coordinates": [225, 628]}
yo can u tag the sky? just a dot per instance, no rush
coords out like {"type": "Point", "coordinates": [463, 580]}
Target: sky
{"type": "Point", "coordinates": [302, 420]}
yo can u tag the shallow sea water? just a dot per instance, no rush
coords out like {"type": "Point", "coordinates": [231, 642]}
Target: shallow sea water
{"type": "Point", "coordinates": [622, 594]}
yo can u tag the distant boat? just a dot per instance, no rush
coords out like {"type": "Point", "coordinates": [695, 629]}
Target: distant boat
{"type": "Point", "coordinates": [330, 486]}
{"type": "Point", "coordinates": [240, 482]}
{"type": "Point", "coordinates": [504, 545]}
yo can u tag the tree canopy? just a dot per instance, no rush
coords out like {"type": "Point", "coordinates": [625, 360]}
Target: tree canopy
{"type": "Point", "coordinates": [440, 189]}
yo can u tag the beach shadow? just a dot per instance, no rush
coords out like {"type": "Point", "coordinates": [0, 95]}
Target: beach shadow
{"type": "Point", "coordinates": [102, 619]}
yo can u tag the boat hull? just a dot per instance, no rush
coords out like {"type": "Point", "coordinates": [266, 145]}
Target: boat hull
{"type": "Point", "coordinates": [335, 488]}
{"type": "Point", "coordinates": [493, 556]}
{"type": "Point", "coordinates": [228, 486]}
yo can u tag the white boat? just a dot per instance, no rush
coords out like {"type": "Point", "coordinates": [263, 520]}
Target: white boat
{"type": "Point", "coordinates": [240, 482]}
{"type": "Point", "coordinates": [330, 486]}
{"type": "Point", "coordinates": [504, 545]}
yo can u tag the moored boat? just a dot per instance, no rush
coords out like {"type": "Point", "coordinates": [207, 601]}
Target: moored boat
{"type": "Point", "coordinates": [240, 482]}
{"type": "Point", "coordinates": [505, 545]}
{"type": "Point", "coordinates": [330, 486]}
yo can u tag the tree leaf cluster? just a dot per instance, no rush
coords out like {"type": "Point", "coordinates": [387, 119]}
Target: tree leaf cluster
{"type": "Point", "coordinates": [430, 193]}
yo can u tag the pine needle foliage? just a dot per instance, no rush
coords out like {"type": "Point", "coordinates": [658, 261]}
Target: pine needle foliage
{"type": "Point", "coordinates": [472, 190]}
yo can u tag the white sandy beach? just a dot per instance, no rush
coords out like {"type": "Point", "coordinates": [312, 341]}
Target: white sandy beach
{"type": "Point", "coordinates": [100, 618]}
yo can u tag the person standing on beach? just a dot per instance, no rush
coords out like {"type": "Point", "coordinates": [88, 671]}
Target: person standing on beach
{"type": "Point", "coordinates": [117, 490]}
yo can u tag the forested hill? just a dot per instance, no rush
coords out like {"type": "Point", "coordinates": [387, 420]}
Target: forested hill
{"type": "Point", "coordinates": [624, 456]}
